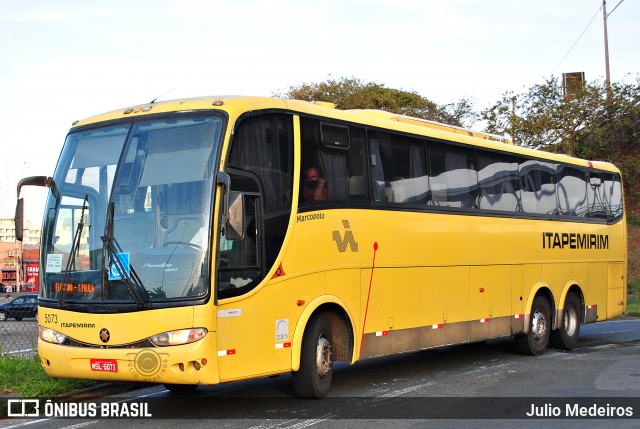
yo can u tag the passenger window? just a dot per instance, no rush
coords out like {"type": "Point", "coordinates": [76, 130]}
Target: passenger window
{"type": "Point", "coordinates": [571, 191]}
{"type": "Point", "coordinates": [613, 191]}
{"type": "Point", "coordinates": [537, 188]}
{"type": "Point", "coordinates": [498, 182]}
{"type": "Point", "coordinates": [597, 196]}
{"type": "Point", "coordinates": [452, 176]}
{"type": "Point", "coordinates": [333, 163]}
{"type": "Point", "coordinates": [399, 168]}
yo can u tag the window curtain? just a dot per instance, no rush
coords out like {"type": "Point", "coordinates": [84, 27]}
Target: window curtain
{"type": "Point", "coordinates": [251, 152]}
{"type": "Point", "coordinates": [334, 166]}
{"type": "Point", "coordinates": [377, 174]}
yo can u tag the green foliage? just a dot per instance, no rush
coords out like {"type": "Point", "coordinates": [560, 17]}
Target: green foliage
{"type": "Point", "coordinates": [353, 93]}
{"type": "Point", "coordinates": [25, 377]}
{"type": "Point", "coordinates": [633, 298]}
{"type": "Point", "coordinates": [597, 123]}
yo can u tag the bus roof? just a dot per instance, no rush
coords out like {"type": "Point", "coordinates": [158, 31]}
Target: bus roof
{"type": "Point", "coordinates": [237, 105]}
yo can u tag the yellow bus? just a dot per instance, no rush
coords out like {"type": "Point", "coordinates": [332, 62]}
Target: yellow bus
{"type": "Point", "coordinates": [209, 240]}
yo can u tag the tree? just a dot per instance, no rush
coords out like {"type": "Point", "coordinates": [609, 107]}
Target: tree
{"type": "Point", "coordinates": [353, 93]}
{"type": "Point", "coordinates": [597, 123]}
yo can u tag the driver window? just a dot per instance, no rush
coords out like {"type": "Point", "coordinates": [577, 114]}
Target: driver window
{"type": "Point", "coordinates": [239, 269]}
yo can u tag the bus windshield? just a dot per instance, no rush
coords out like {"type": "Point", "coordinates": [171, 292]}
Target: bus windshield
{"type": "Point", "coordinates": [129, 220]}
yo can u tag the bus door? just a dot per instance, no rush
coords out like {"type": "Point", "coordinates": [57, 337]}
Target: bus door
{"type": "Point", "coordinates": [260, 167]}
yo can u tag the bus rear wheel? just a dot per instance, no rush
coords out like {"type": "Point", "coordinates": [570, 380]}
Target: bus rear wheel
{"type": "Point", "coordinates": [536, 340]}
{"type": "Point", "coordinates": [313, 379]}
{"type": "Point", "coordinates": [567, 336]}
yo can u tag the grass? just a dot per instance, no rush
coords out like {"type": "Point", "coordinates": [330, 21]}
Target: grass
{"type": "Point", "coordinates": [633, 257]}
{"type": "Point", "coordinates": [24, 377]}
{"type": "Point", "coordinates": [633, 298]}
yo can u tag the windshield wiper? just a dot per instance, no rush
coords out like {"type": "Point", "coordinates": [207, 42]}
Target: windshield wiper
{"type": "Point", "coordinates": [130, 279]}
{"type": "Point", "coordinates": [75, 249]}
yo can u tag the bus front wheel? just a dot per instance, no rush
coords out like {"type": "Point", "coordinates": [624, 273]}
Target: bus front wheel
{"type": "Point", "coordinates": [313, 379]}
{"type": "Point", "coordinates": [567, 336]}
{"type": "Point", "coordinates": [536, 340]}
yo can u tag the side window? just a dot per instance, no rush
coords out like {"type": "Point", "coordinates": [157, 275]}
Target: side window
{"type": "Point", "coordinates": [537, 188]}
{"type": "Point", "coordinates": [264, 145]}
{"type": "Point", "coordinates": [333, 163]}
{"type": "Point", "coordinates": [571, 191]}
{"type": "Point", "coordinates": [597, 196]}
{"type": "Point", "coordinates": [239, 266]}
{"type": "Point", "coordinates": [498, 182]}
{"type": "Point", "coordinates": [260, 165]}
{"type": "Point", "coordinates": [400, 170]}
{"type": "Point", "coordinates": [452, 176]}
{"type": "Point", "coordinates": [613, 191]}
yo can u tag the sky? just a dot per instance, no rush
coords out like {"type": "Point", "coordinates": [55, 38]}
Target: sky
{"type": "Point", "coordinates": [66, 60]}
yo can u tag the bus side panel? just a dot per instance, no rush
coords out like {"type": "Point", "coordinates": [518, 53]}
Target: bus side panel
{"type": "Point", "coordinates": [490, 298]}
{"type": "Point", "coordinates": [595, 296]}
{"type": "Point", "coordinates": [616, 291]}
{"type": "Point", "coordinates": [433, 311]}
{"type": "Point", "coordinates": [255, 334]}
{"type": "Point", "coordinates": [517, 299]}
{"type": "Point", "coordinates": [556, 277]}
{"type": "Point", "coordinates": [395, 303]}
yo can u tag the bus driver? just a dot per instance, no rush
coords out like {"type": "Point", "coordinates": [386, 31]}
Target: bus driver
{"type": "Point", "coordinates": [315, 188]}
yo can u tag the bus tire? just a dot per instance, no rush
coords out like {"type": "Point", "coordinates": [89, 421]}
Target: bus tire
{"type": "Point", "coordinates": [313, 379]}
{"type": "Point", "coordinates": [535, 342]}
{"type": "Point", "coordinates": [567, 336]}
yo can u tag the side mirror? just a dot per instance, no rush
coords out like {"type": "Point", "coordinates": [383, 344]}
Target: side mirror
{"type": "Point", "coordinates": [44, 181]}
{"type": "Point", "coordinates": [18, 219]}
{"type": "Point", "coordinates": [233, 208]}
{"type": "Point", "coordinates": [234, 227]}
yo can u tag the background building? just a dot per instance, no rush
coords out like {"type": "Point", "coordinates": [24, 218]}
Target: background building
{"type": "Point", "coordinates": [19, 262]}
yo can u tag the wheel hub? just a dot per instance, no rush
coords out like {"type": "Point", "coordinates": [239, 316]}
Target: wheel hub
{"type": "Point", "coordinates": [323, 357]}
{"type": "Point", "coordinates": [570, 321]}
{"type": "Point", "coordinates": [539, 325]}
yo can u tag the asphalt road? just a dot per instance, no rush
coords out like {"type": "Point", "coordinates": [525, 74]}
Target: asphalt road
{"type": "Point", "coordinates": [481, 385]}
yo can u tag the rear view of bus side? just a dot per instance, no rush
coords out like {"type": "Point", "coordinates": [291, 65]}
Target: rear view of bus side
{"type": "Point", "coordinates": [234, 238]}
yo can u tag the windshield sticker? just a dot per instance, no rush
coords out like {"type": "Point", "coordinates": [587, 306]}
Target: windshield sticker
{"type": "Point", "coordinates": [54, 263]}
{"type": "Point", "coordinates": [114, 272]}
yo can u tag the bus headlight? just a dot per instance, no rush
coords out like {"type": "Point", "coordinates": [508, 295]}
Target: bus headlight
{"type": "Point", "coordinates": [51, 336]}
{"type": "Point", "coordinates": [182, 336]}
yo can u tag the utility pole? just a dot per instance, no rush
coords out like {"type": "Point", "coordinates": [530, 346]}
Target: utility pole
{"type": "Point", "coordinates": [606, 44]}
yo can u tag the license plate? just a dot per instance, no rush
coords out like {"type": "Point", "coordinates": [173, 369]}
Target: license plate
{"type": "Point", "coordinates": [104, 365]}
